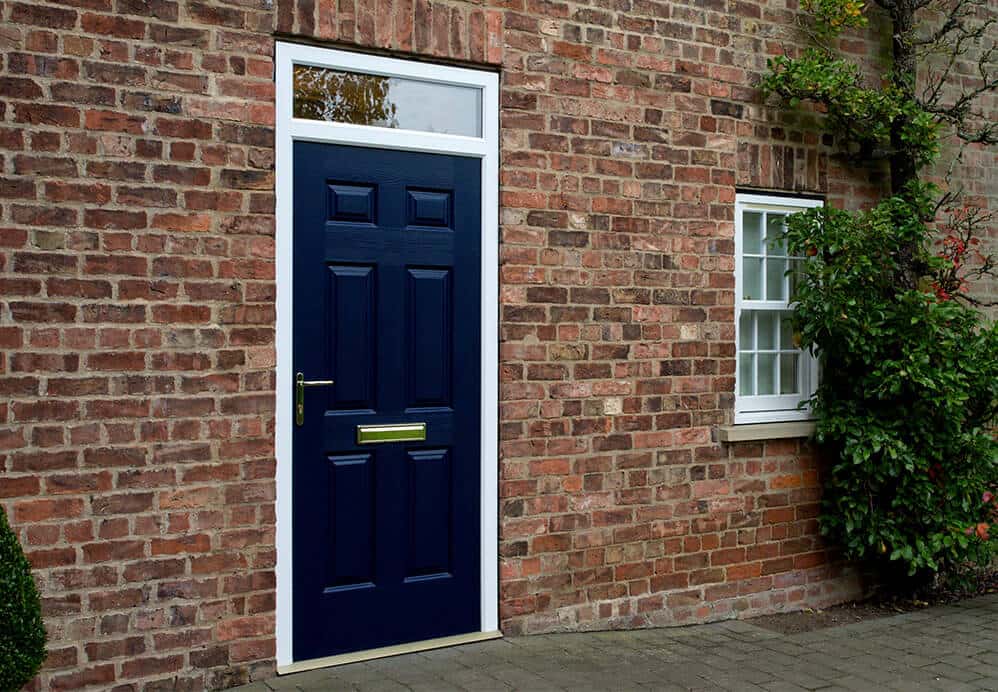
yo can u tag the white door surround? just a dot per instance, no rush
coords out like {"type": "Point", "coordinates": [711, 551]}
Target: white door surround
{"type": "Point", "coordinates": [485, 148]}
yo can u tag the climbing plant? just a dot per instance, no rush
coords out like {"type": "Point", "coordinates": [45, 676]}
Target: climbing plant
{"type": "Point", "coordinates": [908, 398]}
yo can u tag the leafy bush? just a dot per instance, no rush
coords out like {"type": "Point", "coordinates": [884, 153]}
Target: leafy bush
{"type": "Point", "coordinates": [909, 386]}
{"type": "Point", "coordinates": [22, 634]}
{"type": "Point", "coordinates": [907, 402]}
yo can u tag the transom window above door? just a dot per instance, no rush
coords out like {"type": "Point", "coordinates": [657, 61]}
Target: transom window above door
{"type": "Point", "coordinates": [358, 98]}
{"type": "Point", "coordinates": [774, 375]}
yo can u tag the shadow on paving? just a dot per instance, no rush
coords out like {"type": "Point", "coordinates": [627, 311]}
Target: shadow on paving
{"type": "Point", "coordinates": [951, 648]}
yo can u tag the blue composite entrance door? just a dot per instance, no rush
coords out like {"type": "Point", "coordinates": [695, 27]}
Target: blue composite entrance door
{"type": "Point", "coordinates": [387, 305]}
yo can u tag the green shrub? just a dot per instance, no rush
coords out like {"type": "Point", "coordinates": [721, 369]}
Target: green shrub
{"type": "Point", "coordinates": [909, 386]}
{"type": "Point", "coordinates": [22, 634]}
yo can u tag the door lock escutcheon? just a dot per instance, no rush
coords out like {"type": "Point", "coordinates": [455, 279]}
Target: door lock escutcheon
{"type": "Point", "coordinates": [300, 384]}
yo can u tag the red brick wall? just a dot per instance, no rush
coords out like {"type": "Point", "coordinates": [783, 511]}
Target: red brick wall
{"type": "Point", "coordinates": [136, 399]}
{"type": "Point", "coordinates": [136, 332]}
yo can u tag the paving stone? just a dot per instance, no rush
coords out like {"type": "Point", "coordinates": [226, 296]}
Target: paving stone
{"type": "Point", "coordinates": [951, 648]}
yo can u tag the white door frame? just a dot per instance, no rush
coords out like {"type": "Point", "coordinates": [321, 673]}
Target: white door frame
{"type": "Point", "coordinates": [486, 148]}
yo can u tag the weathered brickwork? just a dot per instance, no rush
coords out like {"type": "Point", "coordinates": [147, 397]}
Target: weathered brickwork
{"type": "Point", "coordinates": [137, 334]}
{"type": "Point", "coordinates": [137, 315]}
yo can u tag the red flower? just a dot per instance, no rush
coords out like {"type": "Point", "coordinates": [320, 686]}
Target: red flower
{"type": "Point", "coordinates": [987, 497]}
{"type": "Point", "coordinates": [982, 530]}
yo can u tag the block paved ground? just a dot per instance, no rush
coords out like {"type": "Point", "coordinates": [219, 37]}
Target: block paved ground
{"type": "Point", "coordinates": [950, 648]}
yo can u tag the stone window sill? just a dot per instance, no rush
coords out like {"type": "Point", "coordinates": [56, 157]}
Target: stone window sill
{"type": "Point", "coordinates": [765, 431]}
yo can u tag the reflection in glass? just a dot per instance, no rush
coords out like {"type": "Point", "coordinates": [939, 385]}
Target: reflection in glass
{"type": "Point", "coordinates": [746, 331]}
{"type": "Point", "coordinates": [746, 374]}
{"type": "Point", "coordinates": [796, 268]}
{"type": "Point", "coordinates": [787, 332]}
{"type": "Point", "coordinates": [752, 233]}
{"type": "Point", "coordinates": [392, 102]}
{"type": "Point", "coordinates": [767, 330]}
{"type": "Point", "coordinates": [752, 282]}
{"type": "Point", "coordinates": [776, 269]}
{"type": "Point", "coordinates": [775, 228]}
{"type": "Point", "coordinates": [767, 373]}
{"type": "Point", "coordinates": [788, 373]}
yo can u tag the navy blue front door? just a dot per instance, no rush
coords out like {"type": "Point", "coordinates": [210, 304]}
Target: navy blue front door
{"type": "Point", "coordinates": [386, 304]}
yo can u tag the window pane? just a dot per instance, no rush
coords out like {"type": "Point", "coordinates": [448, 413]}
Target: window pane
{"type": "Point", "coordinates": [788, 373]}
{"type": "Point", "coordinates": [752, 233]}
{"type": "Point", "coordinates": [774, 234]}
{"type": "Point", "coordinates": [795, 269]}
{"type": "Point", "coordinates": [786, 332]}
{"type": "Point", "coordinates": [393, 102]}
{"type": "Point", "coordinates": [768, 325]}
{"type": "Point", "coordinates": [752, 279]}
{"type": "Point", "coordinates": [746, 331]}
{"type": "Point", "coordinates": [767, 373]}
{"type": "Point", "coordinates": [776, 270]}
{"type": "Point", "coordinates": [746, 374]}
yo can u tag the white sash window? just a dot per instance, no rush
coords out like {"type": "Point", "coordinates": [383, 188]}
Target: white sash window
{"type": "Point", "coordinates": [773, 374]}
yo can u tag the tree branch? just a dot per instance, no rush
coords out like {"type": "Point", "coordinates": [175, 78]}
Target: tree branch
{"type": "Point", "coordinates": [958, 113]}
{"type": "Point", "coordinates": [960, 11]}
{"type": "Point", "coordinates": [986, 134]}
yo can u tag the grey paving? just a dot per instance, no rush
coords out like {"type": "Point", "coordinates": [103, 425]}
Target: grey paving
{"type": "Point", "coordinates": [947, 648]}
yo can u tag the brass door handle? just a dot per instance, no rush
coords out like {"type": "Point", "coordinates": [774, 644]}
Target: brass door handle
{"type": "Point", "coordinates": [300, 384]}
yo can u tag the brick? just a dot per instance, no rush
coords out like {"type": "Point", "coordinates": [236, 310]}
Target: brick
{"type": "Point", "coordinates": [20, 487]}
{"type": "Point", "coordinates": [47, 510]}
{"type": "Point", "coordinates": [102, 651]}
{"type": "Point", "coordinates": [96, 675]}
{"type": "Point", "coordinates": [43, 66]}
{"type": "Point", "coordinates": [115, 600]}
{"type": "Point", "coordinates": [109, 73]}
{"type": "Point", "coordinates": [20, 88]}
{"type": "Point", "coordinates": [104, 218]}
{"type": "Point", "coordinates": [78, 288]}
{"type": "Point", "coordinates": [112, 551]}
{"type": "Point", "coordinates": [44, 114]}
{"type": "Point", "coordinates": [42, 312]}
{"type": "Point", "coordinates": [43, 461]}
{"type": "Point", "coordinates": [109, 456]}
{"type": "Point", "coordinates": [111, 25]}
{"type": "Point", "coordinates": [165, 10]}
{"type": "Point", "coordinates": [113, 121]}
{"type": "Point", "coordinates": [59, 191]}
{"type": "Point", "coordinates": [147, 570]}
{"type": "Point", "coordinates": [70, 92]}
{"type": "Point", "coordinates": [116, 361]}
{"type": "Point", "coordinates": [39, 165]}
{"type": "Point", "coordinates": [195, 543]}
{"type": "Point", "coordinates": [49, 17]}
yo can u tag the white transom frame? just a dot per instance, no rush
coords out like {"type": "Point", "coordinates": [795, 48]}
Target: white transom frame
{"type": "Point", "coordinates": [289, 129]}
{"type": "Point", "coordinates": [768, 408]}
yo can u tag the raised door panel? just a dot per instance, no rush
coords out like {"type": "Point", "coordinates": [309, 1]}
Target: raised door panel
{"type": "Point", "coordinates": [352, 347]}
{"type": "Point", "coordinates": [430, 514]}
{"type": "Point", "coordinates": [351, 516]}
{"type": "Point", "coordinates": [429, 336]}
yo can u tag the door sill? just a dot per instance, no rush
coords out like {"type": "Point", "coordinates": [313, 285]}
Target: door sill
{"type": "Point", "coordinates": [396, 650]}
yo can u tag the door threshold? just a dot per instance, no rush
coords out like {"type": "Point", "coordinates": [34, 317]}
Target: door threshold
{"type": "Point", "coordinates": [396, 650]}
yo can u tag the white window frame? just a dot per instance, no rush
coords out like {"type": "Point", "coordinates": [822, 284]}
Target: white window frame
{"type": "Point", "coordinates": [485, 148]}
{"type": "Point", "coordinates": [769, 408]}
